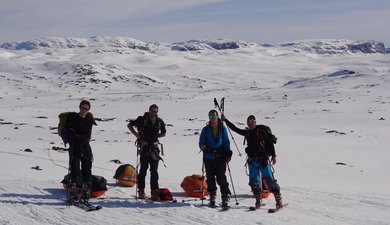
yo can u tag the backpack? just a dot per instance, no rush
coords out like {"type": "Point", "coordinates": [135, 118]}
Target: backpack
{"type": "Point", "coordinates": [126, 176]}
{"type": "Point", "coordinates": [192, 185]}
{"type": "Point", "coordinates": [99, 185]}
{"type": "Point", "coordinates": [61, 129]}
{"type": "Point", "coordinates": [266, 132]}
{"type": "Point", "coordinates": [145, 119]}
{"type": "Point", "coordinates": [165, 194]}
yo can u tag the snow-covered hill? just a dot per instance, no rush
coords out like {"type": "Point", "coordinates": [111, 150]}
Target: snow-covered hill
{"type": "Point", "coordinates": [199, 45]}
{"type": "Point", "coordinates": [63, 43]}
{"type": "Point", "coordinates": [327, 102]}
{"type": "Point", "coordinates": [338, 46]}
{"type": "Point", "coordinates": [323, 46]}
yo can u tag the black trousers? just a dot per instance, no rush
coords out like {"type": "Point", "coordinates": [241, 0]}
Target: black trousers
{"type": "Point", "coordinates": [145, 161]}
{"type": "Point", "coordinates": [80, 153]}
{"type": "Point", "coordinates": [216, 173]}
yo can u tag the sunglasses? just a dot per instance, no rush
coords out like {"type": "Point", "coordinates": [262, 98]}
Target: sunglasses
{"type": "Point", "coordinates": [213, 117]}
{"type": "Point", "coordinates": [251, 121]}
{"type": "Point", "coordinates": [84, 108]}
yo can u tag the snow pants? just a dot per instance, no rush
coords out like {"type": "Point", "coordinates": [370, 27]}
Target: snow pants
{"type": "Point", "coordinates": [257, 173]}
{"type": "Point", "coordinates": [216, 173]}
{"type": "Point", "coordinates": [80, 153]}
{"type": "Point", "coordinates": [147, 160]}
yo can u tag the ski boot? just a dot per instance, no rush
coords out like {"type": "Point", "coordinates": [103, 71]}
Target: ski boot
{"type": "Point", "coordinates": [141, 194]}
{"type": "Point", "coordinates": [278, 199]}
{"type": "Point", "coordinates": [155, 195]}
{"type": "Point", "coordinates": [72, 194]}
{"type": "Point", "coordinates": [258, 201]}
{"type": "Point", "coordinates": [85, 192]}
{"type": "Point", "coordinates": [225, 200]}
{"type": "Point", "coordinates": [213, 196]}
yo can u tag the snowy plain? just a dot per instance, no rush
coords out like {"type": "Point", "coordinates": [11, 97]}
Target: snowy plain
{"type": "Point", "coordinates": [330, 112]}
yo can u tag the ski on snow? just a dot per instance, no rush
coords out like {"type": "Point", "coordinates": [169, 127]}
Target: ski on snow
{"type": "Point", "coordinates": [87, 206]}
{"type": "Point", "coordinates": [84, 205]}
{"type": "Point", "coordinates": [271, 210]}
{"type": "Point", "coordinates": [149, 199]}
{"type": "Point", "coordinates": [274, 210]}
{"type": "Point", "coordinates": [214, 206]}
{"type": "Point", "coordinates": [253, 208]}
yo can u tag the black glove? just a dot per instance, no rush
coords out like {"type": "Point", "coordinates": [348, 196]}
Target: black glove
{"type": "Point", "coordinates": [228, 155]}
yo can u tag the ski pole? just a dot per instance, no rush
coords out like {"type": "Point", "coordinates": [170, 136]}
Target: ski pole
{"type": "Point", "coordinates": [231, 179]}
{"type": "Point", "coordinates": [137, 166]}
{"type": "Point", "coordinates": [234, 141]}
{"type": "Point", "coordinates": [230, 132]}
{"type": "Point", "coordinates": [202, 188]}
{"type": "Point", "coordinates": [68, 191]}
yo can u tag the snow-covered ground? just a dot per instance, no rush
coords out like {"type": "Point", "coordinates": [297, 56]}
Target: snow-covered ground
{"type": "Point", "coordinates": [329, 110]}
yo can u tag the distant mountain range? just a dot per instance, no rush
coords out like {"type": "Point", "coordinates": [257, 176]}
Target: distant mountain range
{"type": "Point", "coordinates": [320, 46]}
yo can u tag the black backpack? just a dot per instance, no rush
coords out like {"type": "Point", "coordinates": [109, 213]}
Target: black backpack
{"type": "Point", "coordinates": [99, 185]}
{"type": "Point", "coordinates": [264, 132]}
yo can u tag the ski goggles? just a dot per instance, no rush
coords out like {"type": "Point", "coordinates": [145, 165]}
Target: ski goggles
{"type": "Point", "coordinates": [213, 117]}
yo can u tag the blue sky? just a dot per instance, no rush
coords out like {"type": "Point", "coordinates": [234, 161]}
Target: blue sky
{"type": "Point", "coordinates": [261, 21]}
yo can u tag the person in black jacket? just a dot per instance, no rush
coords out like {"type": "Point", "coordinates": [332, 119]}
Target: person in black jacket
{"type": "Point", "coordinates": [260, 148]}
{"type": "Point", "coordinates": [79, 127]}
{"type": "Point", "coordinates": [150, 127]}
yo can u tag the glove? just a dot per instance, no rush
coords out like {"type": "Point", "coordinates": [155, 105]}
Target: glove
{"type": "Point", "coordinates": [228, 155]}
{"type": "Point", "coordinates": [273, 159]}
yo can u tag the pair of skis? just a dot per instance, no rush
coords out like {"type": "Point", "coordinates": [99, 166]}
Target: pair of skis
{"type": "Point", "coordinates": [271, 210]}
{"type": "Point", "coordinates": [251, 208]}
{"type": "Point", "coordinates": [82, 204]}
{"type": "Point", "coordinates": [223, 208]}
{"type": "Point", "coordinates": [85, 206]}
{"type": "Point", "coordinates": [221, 107]}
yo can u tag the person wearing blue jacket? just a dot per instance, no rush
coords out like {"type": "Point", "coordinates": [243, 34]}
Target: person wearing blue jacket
{"type": "Point", "coordinates": [215, 145]}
